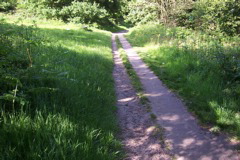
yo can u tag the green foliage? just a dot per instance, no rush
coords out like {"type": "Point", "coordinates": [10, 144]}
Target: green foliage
{"type": "Point", "coordinates": [16, 47]}
{"type": "Point", "coordinates": [57, 4]}
{"type": "Point", "coordinates": [168, 8]}
{"type": "Point", "coordinates": [59, 105]}
{"type": "Point", "coordinates": [214, 16]}
{"type": "Point", "coordinates": [141, 12]}
{"type": "Point", "coordinates": [206, 15]}
{"type": "Point", "coordinates": [84, 12]}
{"type": "Point", "coordinates": [38, 8]}
{"type": "Point", "coordinates": [73, 11]}
{"type": "Point", "coordinates": [112, 6]}
{"type": "Point", "coordinates": [51, 136]}
{"type": "Point", "coordinates": [203, 68]}
{"type": "Point", "coordinates": [52, 3]}
{"type": "Point", "coordinates": [145, 11]}
{"type": "Point", "coordinates": [7, 5]}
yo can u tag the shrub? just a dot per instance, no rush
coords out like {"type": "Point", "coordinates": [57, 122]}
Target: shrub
{"type": "Point", "coordinates": [16, 54]}
{"type": "Point", "coordinates": [220, 16]}
{"type": "Point", "coordinates": [77, 12]}
{"type": "Point", "coordinates": [155, 10]}
{"type": "Point", "coordinates": [141, 12]}
{"type": "Point", "coordinates": [51, 8]}
{"type": "Point", "coordinates": [45, 3]}
{"type": "Point", "coordinates": [7, 6]}
{"type": "Point", "coordinates": [84, 12]}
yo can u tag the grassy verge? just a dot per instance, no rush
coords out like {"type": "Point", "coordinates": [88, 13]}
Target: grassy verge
{"type": "Point", "coordinates": [56, 92]}
{"type": "Point", "coordinates": [202, 68]}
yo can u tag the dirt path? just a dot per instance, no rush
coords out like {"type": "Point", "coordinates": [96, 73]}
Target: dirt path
{"type": "Point", "coordinates": [185, 138]}
{"type": "Point", "coordinates": [139, 134]}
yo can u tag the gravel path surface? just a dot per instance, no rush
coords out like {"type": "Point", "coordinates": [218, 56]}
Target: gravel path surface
{"type": "Point", "coordinates": [185, 138]}
{"type": "Point", "coordinates": [139, 135]}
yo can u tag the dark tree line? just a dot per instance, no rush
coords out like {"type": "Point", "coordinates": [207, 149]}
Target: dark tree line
{"type": "Point", "coordinates": [213, 15]}
{"type": "Point", "coordinates": [208, 15]}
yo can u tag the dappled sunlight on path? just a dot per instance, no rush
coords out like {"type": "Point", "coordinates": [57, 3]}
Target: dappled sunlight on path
{"type": "Point", "coordinates": [139, 134]}
{"type": "Point", "coordinates": [185, 138]}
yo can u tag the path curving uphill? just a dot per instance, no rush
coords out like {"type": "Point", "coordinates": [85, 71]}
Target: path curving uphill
{"type": "Point", "coordinates": [186, 139]}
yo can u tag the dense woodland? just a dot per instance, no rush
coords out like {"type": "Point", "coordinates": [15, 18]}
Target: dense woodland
{"type": "Point", "coordinates": [45, 75]}
{"type": "Point", "coordinates": [211, 15]}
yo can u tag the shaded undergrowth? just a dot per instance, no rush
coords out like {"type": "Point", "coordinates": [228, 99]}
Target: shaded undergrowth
{"type": "Point", "coordinates": [203, 68]}
{"type": "Point", "coordinates": [56, 93]}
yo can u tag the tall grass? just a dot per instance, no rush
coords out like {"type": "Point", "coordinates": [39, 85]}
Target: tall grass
{"type": "Point", "coordinates": [202, 67]}
{"type": "Point", "coordinates": [68, 96]}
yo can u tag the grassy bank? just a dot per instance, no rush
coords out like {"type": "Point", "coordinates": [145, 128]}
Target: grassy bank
{"type": "Point", "coordinates": [203, 68]}
{"type": "Point", "coordinates": [56, 92]}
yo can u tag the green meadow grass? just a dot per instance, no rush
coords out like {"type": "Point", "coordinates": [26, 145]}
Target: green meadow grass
{"type": "Point", "coordinates": [203, 68]}
{"type": "Point", "coordinates": [70, 112]}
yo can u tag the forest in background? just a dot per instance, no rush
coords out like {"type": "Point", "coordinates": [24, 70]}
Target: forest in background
{"type": "Point", "coordinates": [208, 15]}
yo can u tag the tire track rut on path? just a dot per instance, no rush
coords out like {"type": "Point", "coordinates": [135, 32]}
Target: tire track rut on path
{"type": "Point", "coordinates": [139, 135]}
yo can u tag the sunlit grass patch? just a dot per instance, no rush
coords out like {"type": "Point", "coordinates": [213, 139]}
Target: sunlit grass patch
{"type": "Point", "coordinates": [69, 91]}
{"type": "Point", "coordinates": [202, 68]}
